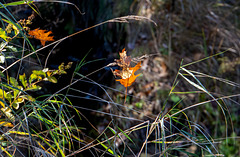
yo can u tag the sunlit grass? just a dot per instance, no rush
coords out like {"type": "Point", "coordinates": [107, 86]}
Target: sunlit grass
{"type": "Point", "coordinates": [51, 125]}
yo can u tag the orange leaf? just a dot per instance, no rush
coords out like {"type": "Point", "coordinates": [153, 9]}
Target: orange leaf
{"type": "Point", "coordinates": [127, 73]}
{"type": "Point", "coordinates": [128, 76]}
{"type": "Point", "coordinates": [41, 35]}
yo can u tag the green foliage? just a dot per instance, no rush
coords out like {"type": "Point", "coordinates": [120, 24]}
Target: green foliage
{"type": "Point", "coordinates": [231, 146]}
{"type": "Point", "coordinates": [175, 98]}
{"type": "Point", "coordinates": [17, 3]}
{"type": "Point", "coordinates": [3, 34]}
{"type": "Point", "coordinates": [14, 99]}
{"type": "Point", "coordinates": [139, 104]}
{"type": "Point", "coordinates": [174, 129]}
{"type": "Point", "coordinates": [13, 94]}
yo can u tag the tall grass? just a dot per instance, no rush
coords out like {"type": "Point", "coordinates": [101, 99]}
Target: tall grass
{"type": "Point", "coordinates": [42, 126]}
{"type": "Point", "coordinates": [50, 125]}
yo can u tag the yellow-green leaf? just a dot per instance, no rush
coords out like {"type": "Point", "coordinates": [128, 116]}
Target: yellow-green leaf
{"type": "Point", "coordinates": [3, 34]}
{"type": "Point", "coordinates": [2, 94]}
{"type": "Point", "coordinates": [13, 82]}
{"type": "Point", "coordinates": [39, 73]}
{"type": "Point", "coordinates": [34, 88]}
{"type": "Point", "coordinates": [51, 79]}
{"type": "Point", "coordinates": [32, 78]}
{"type": "Point", "coordinates": [23, 80]}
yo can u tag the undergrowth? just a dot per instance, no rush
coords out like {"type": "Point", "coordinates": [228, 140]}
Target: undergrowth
{"type": "Point", "coordinates": [36, 123]}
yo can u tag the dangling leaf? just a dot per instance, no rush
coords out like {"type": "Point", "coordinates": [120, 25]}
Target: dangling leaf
{"type": "Point", "coordinates": [128, 76]}
{"type": "Point", "coordinates": [127, 73]}
{"type": "Point", "coordinates": [41, 35]}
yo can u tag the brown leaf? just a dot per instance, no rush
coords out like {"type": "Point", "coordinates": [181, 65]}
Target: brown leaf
{"type": "Point", "coordinates": [124, 60]}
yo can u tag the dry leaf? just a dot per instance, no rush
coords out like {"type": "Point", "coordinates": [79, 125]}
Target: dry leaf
{"type": "Point", "coordinates": [41, 35]}
{"type": "Point", "coordinates": [127, 73]}
{"type": "Point", "coordinates": [124, 60]}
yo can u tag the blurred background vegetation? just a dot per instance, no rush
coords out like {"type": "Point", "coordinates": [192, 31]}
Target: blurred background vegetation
{"type": "Point", "coordinates": [187, 31]}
